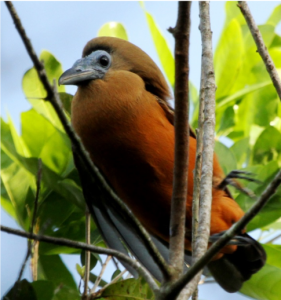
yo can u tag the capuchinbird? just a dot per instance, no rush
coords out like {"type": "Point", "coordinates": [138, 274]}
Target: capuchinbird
{"type": "Point", "coordinates": [121, 113]}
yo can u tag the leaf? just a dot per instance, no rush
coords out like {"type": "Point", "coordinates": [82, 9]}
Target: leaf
{"type": "Point", "coordinates": [231, 100]}
{"type": "Point", "coordinates": [35, 92]}
{"type": "Point", "coordinates": [266, 284]}
{"type": "Point", "coordinates": [113, 29]}
{"type": "Point", "coordinates": [24, 290]}
{"type": "Point", "coordinates": [44, 289]}
{"type": "Point", "coordinates": [17, 183]}
{"type": "Point", "coordinates": [73, 227]}
{"type": "Point", "coordinates": [80, 270]}
{"type": "Point", "coordinates": [94, 277]}
{"type": "Point", "coordinates": [94, 258]}
{"type": "Point", "coordinates": [271, 211]}
{"type": "Point", "coordinates": [241, 151]}
{"type": "Point", "coordinates": [115, 274]}
{"type": "Point", "coordinates": [53, 211]}
{"type": "Point", "coordinates": [66, 100]}
{"type": "Point", "coordinates": [127, 289]}
{"type": "Point", "coordinates": [226, 157]}
{"type": "Point", "coordinates": [164, 53]}
{"type": "Point", "coordinates": [268, 146]}
{"type": "Point", "coordinates": [275, 17]}
{"type": "Point", "coordinates": [66, 293]}
{"type": "Point", "coordinates": [228, 58]}
{"type": "Point", "coordinates": [53, 269]}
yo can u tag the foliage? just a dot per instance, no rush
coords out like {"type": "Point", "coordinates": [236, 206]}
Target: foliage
{"type": "Point", "coordinates": [248, 117]}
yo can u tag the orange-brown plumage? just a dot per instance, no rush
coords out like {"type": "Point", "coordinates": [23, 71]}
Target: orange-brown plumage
{"type": "Point", "coordinates": [125, 123]}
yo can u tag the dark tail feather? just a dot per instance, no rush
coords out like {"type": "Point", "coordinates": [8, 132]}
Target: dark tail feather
{"type": "Point", "coordinates": [232, 270]}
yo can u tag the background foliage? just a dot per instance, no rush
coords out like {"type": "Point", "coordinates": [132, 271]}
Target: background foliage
{"type": "Point", "coordinates": [248, 135]}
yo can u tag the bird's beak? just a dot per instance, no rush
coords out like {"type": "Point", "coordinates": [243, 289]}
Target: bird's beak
{"type": "Point", "coordinates": [81, 71]}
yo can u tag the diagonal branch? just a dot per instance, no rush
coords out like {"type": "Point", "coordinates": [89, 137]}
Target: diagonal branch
{"type": "Point", "coordinates": [83, 246]}
{"type": "Point", "coordinates": [174, 289]}
{"type": "Point", "coordinates": [270, 67]}
{"type": "Point", "coordinates": [178, 210]}
{"type": "Point", "coordinates": [53, 98]}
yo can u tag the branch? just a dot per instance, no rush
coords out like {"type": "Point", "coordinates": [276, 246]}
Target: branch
{"type": "Point", "coordinates": [178, 210]}
{"type": "Point", "coordinates": [174, 289]}
{"type": "Point", "coordinates": [262, 50]}
{"type": "Point", "coordinates": [30, 244]}
{"type": "Point", "coordinates": [83, 246]}
{"type": "Point", "coordinates": [87, 253]}
{"type": "Point", "coordinates": [99, 278]}
{"type": "Point", "coordinates": [53, 98]}
{"type": "Point", "coordinates": [192, 286]}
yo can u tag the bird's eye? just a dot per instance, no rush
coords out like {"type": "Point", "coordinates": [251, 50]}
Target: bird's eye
{"type": "Point", "coordinates": [104, 61]}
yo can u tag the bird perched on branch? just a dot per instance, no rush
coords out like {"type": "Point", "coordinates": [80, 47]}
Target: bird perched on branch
{"type": "Point", "coordinates": [121, 113]}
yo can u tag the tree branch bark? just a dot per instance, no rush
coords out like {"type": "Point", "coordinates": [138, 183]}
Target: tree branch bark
{"type": "Point", "coordinates": [83, 246]}
{"type": "Point", "coordinates": [178, 210]}
{"type": "Point", "coordinates": [53, 98]}
{"type": "Point", "coordinates": [270, 67]}
{"type": "Point", "coordinates": [174, 289]}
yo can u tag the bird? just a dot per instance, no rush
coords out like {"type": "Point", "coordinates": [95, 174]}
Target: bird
{"type": "Point", "coordinates": [121, 113]}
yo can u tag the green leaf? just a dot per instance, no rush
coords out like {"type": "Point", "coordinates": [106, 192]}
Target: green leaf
{"type": "Point", "coordinates": [226, 157]}
{"type": "Point", "coordinates": [35, 92]}
{"type": "Point", "coordinates": [94, 277]}
{"type": "Point", "coordinates": [66, 100]}
{"type": "Point", "coordinates": [231, 100]}
{"type": "Point", "coordinates": [73, 227]}
{"type": "Point", "coordinates": [275, 17]}
{"type": "Point", "coordinates": [80, 270]}
{"type": "Point", "coordinates": [17, 183]}
{"type": "Point", "coordinates": [115, 274]}
{"type": "Point", "coordinates": [18, 141]}
{"type": "Point", "coordinates": [164, 53]}
{"type": "Point", "coordinates": [54, 270]}
{"type": "Point", "coordinates": [94, 258]}
{"type": "Point", "coordinates": [271, 211]}
{"type": "Point", "coordinates": [113, 29]}
{"type": "Point", "coordinates": [66, 293]}
{"type": "Point", "coordinates": [24, 290]}
{"type": "Point", "coordinates": [228, 58]}
{"type": "Point", "coordinates": [50, 218]}
{"type": "Point", "coordinates": [266, 284]}
{"type": "Point", "coordinates": [127, 289]}
{"type": "Point", "coordinates": [241, 151]}
{"type": "Point", "coordinates": [44, 289]}
{"type": "Point", "coordinates": [268, 146]}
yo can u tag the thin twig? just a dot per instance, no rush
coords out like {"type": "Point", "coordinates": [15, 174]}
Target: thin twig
{"type": "Point", "coordinates": [53, 98]}
{"type": "Point", "coordinates": [174, 289]}
{"type": "Point", "coordinates": [87, 253]}
{"type": "Point", "coordinates": [115, 279]}
{"type": "Point", "coordinates": [274, 239]}
{"type": "Point", "coordinates": [104, 265]}
{"type": "Point", "coordinates": [178, 210]}
{"type": "Point", "coordinates": [83, 246]}
{"type": "Point", "coordinates": [262, 50]}
{"type": "Point", "coordinates": [98, 293]}
{"type": "Point", "coordinates": [31, 243]}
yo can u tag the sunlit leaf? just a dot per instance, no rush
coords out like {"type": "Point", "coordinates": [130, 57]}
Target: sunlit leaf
{"type": "Point", "coordinates": [128, 289]}
{"type": "Point", "coordinates": [165, 55]}
{"type": "Point", "coordinates": [113, 29]}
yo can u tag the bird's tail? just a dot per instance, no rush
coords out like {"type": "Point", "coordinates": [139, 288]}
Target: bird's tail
{"type": "Point", "coordinates": [233, 269]}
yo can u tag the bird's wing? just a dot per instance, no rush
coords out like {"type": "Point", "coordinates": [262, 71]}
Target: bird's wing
{"type": "Point", "coordinates": [115, 229]}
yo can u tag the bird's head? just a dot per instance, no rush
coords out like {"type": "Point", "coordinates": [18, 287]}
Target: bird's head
{"type": "Point", "coordinates": [103, 55]}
